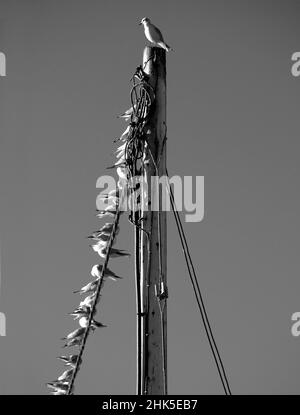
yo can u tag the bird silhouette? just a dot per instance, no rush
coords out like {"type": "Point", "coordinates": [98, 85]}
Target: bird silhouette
{"type": "Point", "coordinates": [70, 360]}
{"type": "Point", "coordinates": [66, 375]}
{"type": "Point", "coordinates": [153, 34]}
{"type": "Point", "coordinates": [76, 333]}
{"type": "Point", "coordinates": [83, 322]}
{"type": "Point", "coordinates": [73, 342]}
{"type": "Point", "coordinates": [113, 253]}
{"type": "Point", "coordinates": [88, 288]}
{"type": "Point", "coordinates": [97, 270]}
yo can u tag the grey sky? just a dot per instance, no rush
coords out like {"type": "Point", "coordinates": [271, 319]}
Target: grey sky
{"type": "Point", "coordinates": [233, 117]}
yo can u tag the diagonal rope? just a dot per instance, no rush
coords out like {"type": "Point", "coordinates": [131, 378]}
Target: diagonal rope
{"type": "Point", "coordinates": [140, 103]}
{"type": "Point", "coordinates": [132, 155]}
{"type": "Point", "coordinates": [96, 299]}
{"type": "Point", "coordinates": [161, 297]}
{"type": "Point", "coordinates": [198, 295]}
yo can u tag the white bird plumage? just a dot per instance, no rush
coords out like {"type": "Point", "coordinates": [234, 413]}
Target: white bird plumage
{"type": "Point", "coordinates": [74, 334]}
{"type": "Point", "coordinates": [88, 288]}
{"type": "Point", "coordinates": [58, 387]}
{"type": "Point", "coordinates": [83, 322]}
{"type": "Point", "coordinates": [88, 301]}
{"type": "Point", "coordinates": [70, 360]}
{"type": "Point", "coordinates": [66, 375]}
{"type": "Point", "coordinates": [153, 34]}
{"type": "Point", "coordinates": [80, 312]}
{"type": "Point", "coordinates": [113, 253]}
{"type": "Point", "coordinates": [97, 271]}
{"type": "Point", "coordinates": [73, 342]}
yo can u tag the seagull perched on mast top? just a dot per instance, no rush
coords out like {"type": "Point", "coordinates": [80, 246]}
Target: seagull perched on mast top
{"type": "Point", "coordinates": [153, 34]}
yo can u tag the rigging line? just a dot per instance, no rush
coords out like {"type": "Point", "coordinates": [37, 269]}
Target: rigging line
{"type": "Point", "coordinates": [163, 335]}
{"type": "Point", "coordinates": [138, 308]}
{"type": "Point", "coordinates": [137, 287]}
{"type": "Point", "coordinates": [146, 302]}
{"type": "Point", "coordinates": [205, 312]}
{"type": "Point", "coordinates": [140, 111]}
{"type": "Point", "coordinates": [146, 297]}
{"type": "Point", "coordinates": [138, 298]}
{"type": "Point", "coordinates": [138, 294]}
{"type": "Point", "coordinates": [158, 219]}
{"type": "Point", "coordinates": [200, 301]}
{"type": "Point", "coordinates": [161, 307]}
{"type": "Point", "coordinates": [137, 283]}
{"type": "Point", "coordinates": [146, 306]}
{"type": "Point", "coordinates": [97, 295]}
{"type": "Point", "coordinates": [101, 279]}
{"type": "Point", "coordinates": [143, 103]}
{"type": "Point", "coordinates": [138, 290]}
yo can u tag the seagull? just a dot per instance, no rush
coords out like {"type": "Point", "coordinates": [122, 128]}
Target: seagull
{"type": "Point", "coordinates": [103, 238]}
{"type": "Point", "coordinates": [121, 149]}
{"type": "Point", "coordinates": [59, 392]}
{"type": "Point", "coordinates": [73, 342]}
{"type": "Point", "coordinates": [66, 375]}
{"type": "Point", "coordinates": [153, 34]}
{"type": "Point", "coordinates": [113, 253]}
{"type": "Point", "coordinates": [109, 211]}
{"type": "Point", "coordinates": [122, 173]}
{"type": "Point", "coordinates": [83, 322]}
{"type": "Point", "coordinates": [97, 271]}
{"type": "Point", "coordinates": [128, 113]}
{"type": "Point", "coordinates": [99, 246]}
{"type": "Point", "coordinates": [76, 333]}
{"type": "Point", "coordinates": [89, 288]}
{"type": "Point", "coordinates": [124, 136]}
{"type": "Point", "coordinates": [80, 312]}
{"type": "Point", "coordinates": [107, 228]}
{"type": "Point", "coordinates": [70, 360]}
{"type": "Point", "coordinates": [88, 301]}
{"type": "Point", "coordinates": [56, 385]}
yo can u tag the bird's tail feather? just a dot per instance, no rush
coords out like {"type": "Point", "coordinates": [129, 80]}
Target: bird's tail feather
{"type": "Point", "coordinates": [164, 46]}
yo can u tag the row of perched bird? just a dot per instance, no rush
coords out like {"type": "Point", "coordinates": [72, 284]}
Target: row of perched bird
{"type": "Point", "coordinates": [103, 239]}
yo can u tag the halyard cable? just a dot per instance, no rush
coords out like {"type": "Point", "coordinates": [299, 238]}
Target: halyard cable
{"type": "Point", "coordinates": [133, 152]}
{"type": "Point", "coordinates": [137, 272]}
{"type": "Point", "coordinates": [97, 295]}
{"type": "Point", "coordinates": [198, 295]}
{"type": "Point", "coordinates": [140, 102]}
{"type": "Point", "coordinates": [138, 304]}
{"type": "Point", "coordinates": [132, 155]}
{"type": "Point", "coordinates": [161, 296]}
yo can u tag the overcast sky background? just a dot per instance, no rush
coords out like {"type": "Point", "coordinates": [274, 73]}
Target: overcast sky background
{"type": "Point", "coordinates": [233, 117]}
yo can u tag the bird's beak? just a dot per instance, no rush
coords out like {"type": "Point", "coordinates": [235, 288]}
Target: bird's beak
{"type": "Point", "coordinates": [140, 23]}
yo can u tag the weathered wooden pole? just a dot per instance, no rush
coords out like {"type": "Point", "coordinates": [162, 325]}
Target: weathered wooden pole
{"type": "Point", "coordinates": [153, 237]}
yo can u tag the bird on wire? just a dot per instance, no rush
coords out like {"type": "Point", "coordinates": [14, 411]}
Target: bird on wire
{"type": "Point", "coordinates": [97, 270]}
{"type": "Point", "coordinates": [80, 312]}
{"type": "Point", "coordinates": [73, 342]}
{"type": "Point", "coordinates": [83, 322]}
{"type": "Point", "coordinates": [70, 360]}
{"type": "Point", "coordinates": [153, 34]}
{"type": "Point", "coordinates": [75, 334]}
